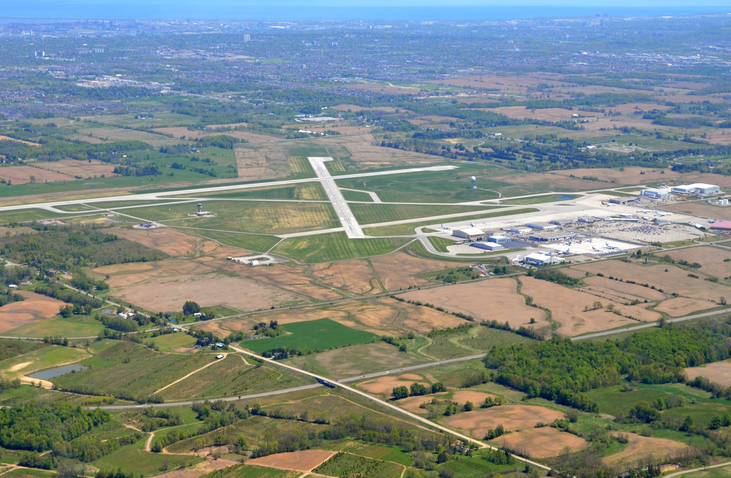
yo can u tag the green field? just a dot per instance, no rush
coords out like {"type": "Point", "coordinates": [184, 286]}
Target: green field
{"type": "Point", "coordinates": [25, 472]}
{"type": "Point", "coordinates": [232, 376]}
{"type": "Point", "coordinates": [168, 342]}
{"type": "Point", "coordinates": [75, 326]}
{"type": "Point", "coordinates": [245, 216]}
{"type": "Point", "coordinates": [128, 370]}
{"type": "Point", "coordinates": [538, 199]}
{"type": "Point", "coordinates": [401, 229]}
{"type": "Point", "coordinates": [307, 191]}
{"type": "Point", "coordinates": [613, 401]}
{"type": "Point", "coordinates": [475, 467]}
{"type": "Point", "coordinates": [40, 359]}
{"type": "Point", "coordinates": [434, 187]}
{"type": "Point", "coordinates": [378, 213]}
{"type": "Point", "coordinates": [134, 457]}
{"type": "Point", "coordinates": [312, 336]}
{"type": "Point", "coordinates": [352, 466]}
{"type": "Point", "coordinates": [252, 471]}
{"type": "Point", "coordinates": [356, 196]}
{"type": "Point", "coordinates": [441, 243]}
{"type": "Point", "coordinates": [721, 472]}
{"type": "Point", "coordinates": [251, 242]}
{"type": "Point", "coordinates": [476, 340]}
{"type": "Point", "coordinates": [335, 247]}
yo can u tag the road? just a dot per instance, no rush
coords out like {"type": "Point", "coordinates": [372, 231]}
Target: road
{"type": "Point", "coordinates": [694, 470]}
{"type": "Point", "coordinates": [347, 219]}
{"type": "Point", "coordinates": [648, 326]}
{"type": "Point", "coordinates": [388, 405]}
{"type": "Point", "coordinates": [342, 385]}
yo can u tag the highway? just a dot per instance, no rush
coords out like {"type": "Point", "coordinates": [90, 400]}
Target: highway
{"type": "Point", "coordinates": [347, 219]}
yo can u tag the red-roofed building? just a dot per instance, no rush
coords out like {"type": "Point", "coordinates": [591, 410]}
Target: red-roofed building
{"type": "Point", "coordinates": [722, 225]}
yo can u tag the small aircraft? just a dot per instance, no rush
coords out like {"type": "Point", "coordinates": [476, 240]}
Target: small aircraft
{"type": "Point", "coordinates": [472, 224]}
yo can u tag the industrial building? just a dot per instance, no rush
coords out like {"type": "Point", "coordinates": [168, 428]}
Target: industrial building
{"type": "Point", "coordinates": [519, 230]}
{"type": "Point", "coordinates": [488, 246]}
{"type": "Point", "coordinates": [538, 259]}
{"type": "Point", "coordinates": [470, 233]}
{"type": "Point", "coordinates": [696, 188]}
{"type": "Point", "coordinates": [724, 226]}
{"type": "Point", "coordinates": [550, 236]}
{"type": "Point", "coordinates": [498, 238]}
{"type": "Point", "coordinates": [654, 193]}
{"type": "Point", "coordinates": [542, 227]}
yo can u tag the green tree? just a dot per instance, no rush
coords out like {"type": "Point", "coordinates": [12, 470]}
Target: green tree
{"type": "Point", "coordinates": [191, 307]}
{"type": "Point", "coordinates": [400, 392]}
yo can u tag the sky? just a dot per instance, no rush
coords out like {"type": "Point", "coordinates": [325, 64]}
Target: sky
{"type": "Point", "coordinates": [347, 9]}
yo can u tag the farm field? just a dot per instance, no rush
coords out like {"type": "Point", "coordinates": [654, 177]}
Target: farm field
{"type": "Point", "coordinates": [315, 335]}
{"type": "Point", "coordinates": [543, 442]}
{"type": "Point", "coordinates": [356, 360]}
{"type": "Point", "coordinates": [383, 386]}
{"type": "Point", "coordinates": [345, 465]}
{"type": "Point", "coordinates": [719, 372]}
{"type": "Point", "coordinates": [567, 307]}
{"type": "Point", "coordinates": [675, 280]}
{"type": "Point", "coordinates": [712, 259]}
{"type": "Point", "coordinates": [34, 308]}
{"type": "Point", "coordinates": [495, 299]}
{"type": "Point", "coordinates": [75, 326]}
{"type": "Point", "coordinates": [512, 417]}
{"type": "Point", "coordinates": [403, 270]}
{"type": "Point", "coordinates": [640, 447]}
{"type": "Point", "coordinates": [475, 340]}
{"type": "Point", "coordinates": [231, 376]}
{"type": "Point", "coordinates": [305, 460]}
{"type": "Point", "coordinates": [166, 289]}
{"type": "Point", "coordinates": [383, 316]}
{"type": "Point", "coordinates": [355, 276]}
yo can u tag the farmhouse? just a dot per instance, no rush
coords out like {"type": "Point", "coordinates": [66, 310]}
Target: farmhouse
{"type": "Point", "coordinates": [470, 233]}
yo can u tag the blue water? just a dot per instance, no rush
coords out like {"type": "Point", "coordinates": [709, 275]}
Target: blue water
{"type": "Point", "coordinates": [58, 371]}
{"type": "Point", "coordinates": [317, 11]}
{"type": "Point", "coordinates": [564, 198]}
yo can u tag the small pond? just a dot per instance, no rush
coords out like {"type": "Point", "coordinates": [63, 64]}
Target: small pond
{"type": "Point", "coordinates": [58, 371]}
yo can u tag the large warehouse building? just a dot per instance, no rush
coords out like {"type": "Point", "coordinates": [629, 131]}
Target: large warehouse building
{"type": "Point", "coordinates": [654, 193]}
{"type": "Point", "coordinates": [537, 259]}
{"type": "Point", "coordinates": [696, 188]}
{"type": "Point", "coordinates": [470, 233]}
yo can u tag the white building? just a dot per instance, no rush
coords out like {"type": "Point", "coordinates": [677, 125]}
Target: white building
{"type": "Point", "coordinates": [537, 259]}
{"type": "Point", "coordinates": [697, 188]}
{"type": "Point", "coordinates": [654, 193]}
{"type": "Point", "coordinates": [488, 246]}
{"type": "Point", "coordinates": [542, 227]}
{"type": "Point", "coordinates": [519, 230]}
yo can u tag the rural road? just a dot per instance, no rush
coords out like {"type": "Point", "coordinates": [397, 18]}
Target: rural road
{"type": "Point", "coordinates": [694, 470]}
{"type": "Point", "coordinates": [340, 384]}
{"type": "Point", "coordinates": [288, 390]}
{"type": "Point", "coordinates": [391, 406]}
{"type": "Point", "coordinates": [650, 325]}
